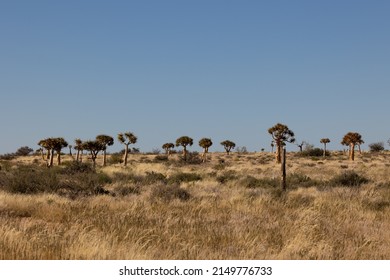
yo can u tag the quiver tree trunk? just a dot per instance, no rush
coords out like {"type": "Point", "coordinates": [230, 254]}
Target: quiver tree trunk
{"type": "Point", "coordinates": [51, 158]}
{"type": "Point", "coordinates": [283, 182]}
{"type": "Point", "coordinates": [104, 158]}
{"type": "Point", "coordinates": [279, 153]}
{"type": "Point", "coordinates": [125, 156]}
{"type": "Point", "coordinates": [58, 157]}
{"type": "Point", "coordinates": [185, 153]}
{"type": "Point", "coordinates": [352, 152]}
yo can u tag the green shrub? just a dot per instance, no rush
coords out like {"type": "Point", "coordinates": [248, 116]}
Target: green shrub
{"type": "Point", "coordinates": [31, 181]}
{"type": "Point", "coordinates": [349, 179]}
{"type": "Point", "coordinates": [376, 147]}
{"type": "Point", "coordinates": [74, 167]}
{"type": "Point", "coordinates": [314, 152]}
{"type": "Point", "coordinates": [177, 178]}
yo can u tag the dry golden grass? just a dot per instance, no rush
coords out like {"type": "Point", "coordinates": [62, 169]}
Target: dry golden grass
{"type": "Point", "coordinates": [221, 219]}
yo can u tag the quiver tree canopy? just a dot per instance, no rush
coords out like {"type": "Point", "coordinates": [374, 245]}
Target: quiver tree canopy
{"type": "Point", "coordinates": [184, 141]}
{"type": "Point", "coordinates": [105, 140]}
{"type": "Point", "coordinates": [205, 143]}
{"type": "Point", "coordinates": [228, 145]}
{"type": "Point", "coordinates": [126, 139]}
{"type": "Point", "coordinates": [53, 144]}
{"type": "Point", "coordinates": [325, 141]}
{"type": "Point", "coordinates": [94, 147]}
{"type": "Point", "coordinates": [281, 134]}
{"type": "Point", "coordinates": [352, 139]}
{"type": "Point", "coordinates": [168, 147]}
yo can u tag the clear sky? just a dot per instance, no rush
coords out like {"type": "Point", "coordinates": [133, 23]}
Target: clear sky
{"type": "Point", "coordinates": [207, 68]}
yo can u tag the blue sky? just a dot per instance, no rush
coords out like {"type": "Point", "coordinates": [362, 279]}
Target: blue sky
{"type": "Point", "coordinates": [218, 69]}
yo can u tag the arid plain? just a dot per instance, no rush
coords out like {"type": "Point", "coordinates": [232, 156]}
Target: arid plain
{"type": "Point", "coordinates": [230, 207]}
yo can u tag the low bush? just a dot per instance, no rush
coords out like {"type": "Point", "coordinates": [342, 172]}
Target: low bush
{"type": "Point", "coordinates": [177, 178]}
{"type": "Point", "coordinates": [349, 179]}
{"type": "Point", "coordinates": [125, 190]}
{"type": "Point", "coordinates": [169, 192]}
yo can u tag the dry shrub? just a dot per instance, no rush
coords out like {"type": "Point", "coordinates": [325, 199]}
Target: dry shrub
{"type": "Point", "coordinates": [169, 192]}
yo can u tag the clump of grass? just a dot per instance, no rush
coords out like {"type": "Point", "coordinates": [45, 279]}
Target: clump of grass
{"type": "Point", "coordinates": [252, 182]}
{"type": "Point", "coordinates": [180, 177]}
{"type": "Point", "coordinates": [125, 190]}
{"type": "Point", "coordinates": [161, 158]}
{"type": "Point", "coordinates": [349, 179]}
{"type": "Point", "coordinates": [153, 177]}
{"type": "Point", "coordinates": [225, 177]}
{"type": "Point", "coordinates": [169, 192]}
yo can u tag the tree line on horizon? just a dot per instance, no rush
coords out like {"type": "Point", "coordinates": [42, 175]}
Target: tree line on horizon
{"type": "Point", "coordinates": [280, 134]}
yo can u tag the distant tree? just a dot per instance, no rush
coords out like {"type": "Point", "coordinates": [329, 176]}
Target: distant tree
{"type": "Point", "coordinates": [205, 143]}
{"type": "Point", "coordinates": [300, 146]}
{"type": "Point", "coordinates": [272, 146]}
{"type": "Point", "coordinates": [168, 147]}
{"type": "Point", "coordinates": [105, 140]}
{"type": "Point", "coordinates": [281, 134]}
{"type": "Point", "coordinates": [184, 141]}
{"type": "Point", "coordinates": [352, 139]}
{"type": "Point", "coordinates": [59, 144]}
{"type": "Point", "coordinates": [228, 146]}
{"type": "Point", "coordinates": [376, 147]}
{"type": "Point", "coordinates": [127, 138]}
{"type": "Point", "coordinates": [94, 147]}
{"type": "Point", "coordinates": [359, 143]}
{"type": "Point", "coordinates": [44, 144]}
{"type": "Point", "coordinates": [79, 148]}
{"type": "Point", "coordinates": [70, 150]}
{"type": "Point", "coordinates": [325, 141]}
{"type": "Point", "coordinates": [53, 145]}
{"type": "Point", "coordinates": [24, 151]}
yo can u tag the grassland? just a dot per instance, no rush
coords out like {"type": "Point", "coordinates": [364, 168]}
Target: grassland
{"type": "Point", "coordinates": [228, 208]}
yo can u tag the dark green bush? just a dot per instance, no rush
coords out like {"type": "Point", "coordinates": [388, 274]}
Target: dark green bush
{"type": "Point", "coordinates": [349, 179]}
{"type": "Point", "coordinates": [74, 167]}
{"type": "Point", "coordinates": [31, 181]}
{"type": "Point", "coordinates": [177, 178]}
{"type": "Point", "coordinates": [314, 152]}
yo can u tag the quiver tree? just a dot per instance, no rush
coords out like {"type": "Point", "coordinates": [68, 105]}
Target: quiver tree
{"type": "Point", "coordinates": [228, 146]}
{"type": "Point", "coordinates": [53, 145]}
{"type": "Point", "coordinates": [205, 143]}
{"type": "Point", "coordinates": [168, 147]}
{"type": "Point", "coordinates": [281, 134]}
{"type": "Point", "coordinates": [272, 146]}
{"type": "Point", "coordinates": [59, 144]}
{"type": "Point", "coordinates": [46, 145]}
{"type": "Point", "coordinates": [184, 141]}
{"type": "Point", "coordinates": [126, 139]}
{"type": "Point", "coordinates": [325, 141]}
{"type": "Point", "coordinates": [105, 140]}
{"type": "Point", "coordinates": [300, 146]}
{"type": "Point", "coordinates": [352, 139]}
{"type": "Point", "coordinates": [79, 148]}
{"type": "Point", "coordinates": [94, 147]}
